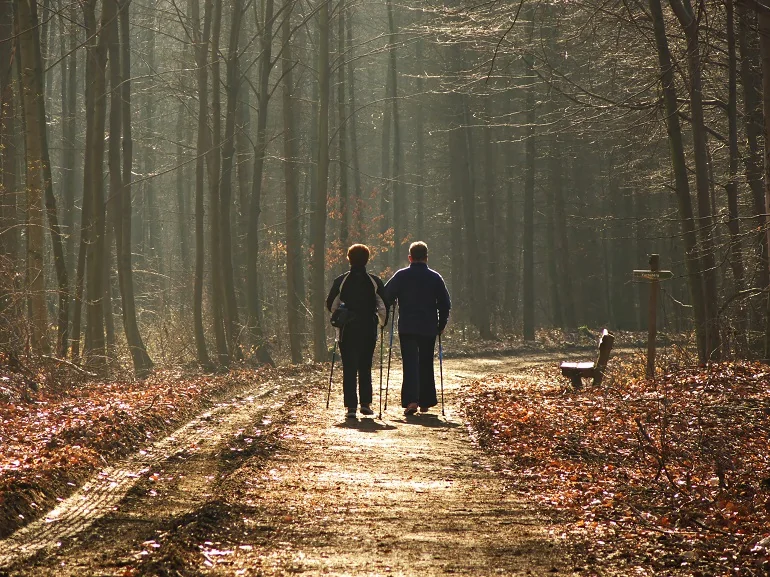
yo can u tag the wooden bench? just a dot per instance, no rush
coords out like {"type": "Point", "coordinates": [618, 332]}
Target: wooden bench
{"type": "Point", "coordinates": [578, 371]}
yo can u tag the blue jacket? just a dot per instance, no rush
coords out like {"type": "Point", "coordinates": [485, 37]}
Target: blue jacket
{"type": "Point", "coordinates": [423, 299]}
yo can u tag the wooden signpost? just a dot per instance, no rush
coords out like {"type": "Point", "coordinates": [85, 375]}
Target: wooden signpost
{"type": "Point", "coordinates": [654, 275]}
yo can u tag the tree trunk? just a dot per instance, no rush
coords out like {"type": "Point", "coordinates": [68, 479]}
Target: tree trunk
{"type": "Point", "coordinates": [201, 38]}
{"type": "Point", "coordinates": [511, 269]}
{"type": "Point", "coordinates": [97, 55]}
{"type": "Point", "coordinates": [386, 186]}
{"type": "Point", "coordinates": [736, 249]}
{"type": "Point", "coordinates": [226, 196]}
{"type": "Point", "coordinates": [50, 205]}
{"type": "Point", "coordinates": [342, 131]}
{"type": "Point", "coordinates": [32, 94]}
{"type": "Point", "coordinates": [764, 48]}
{"type": "Point", "coordinates": [682, 186]}
{"type": "Point", "coordinates": [260, 149]}
{"type": "Point", "coordinates": [689, 23]}
{"type": "Point", "coordinates": [151, 219]}
{"type": "Point", "coordinates": [295, 282]}
{"type": "Point", "coordinates": [751, 81]}
{"type": "Point", "coordinates": [357, 189]}
{"type": "Point", "coordinates": [214, 166]}
{"type": "Point", "coordinates": [528, 239]}
{"type": "Point", "coordinates": [419, 225]}
{"type": "Point", "coordinates": [69, 133]}
{"type": "Point", "coordinates": [555, 286]}
{"type": "Point", "coordinates": [181, 195]}
{"type": "Point", "coordinates": [9, 235]}
{"type": "Point", "coordinates": [120, 184]}
{"type": "Point", "coordinates": [400, 226]}
{"type": "Point", "coordinates": [318, 264]}
{"type": "Point", "coordinates": [492, 273]}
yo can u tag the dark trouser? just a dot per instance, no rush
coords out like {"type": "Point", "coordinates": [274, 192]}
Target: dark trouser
{"type": "Point", "coordinates": [357, 350]}
{"type": "Point", "coordinates": [419, 385]}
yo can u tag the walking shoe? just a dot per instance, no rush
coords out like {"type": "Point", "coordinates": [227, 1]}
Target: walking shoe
{"type": "Point", "coordinates": [411, 409]}
{"type": "Point", "coordinates": [350, 414]}
{"type": "Point", "coordinates": [424, 409]}
{"type": "Point", "coordinates": [366, 410]}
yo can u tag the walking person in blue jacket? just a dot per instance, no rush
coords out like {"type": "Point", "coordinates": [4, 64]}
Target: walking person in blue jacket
{"type": "Point", "coordinates": [423, 307]}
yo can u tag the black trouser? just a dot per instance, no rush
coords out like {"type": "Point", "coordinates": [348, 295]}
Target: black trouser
{"type": "Point", "coordinates": [419, 385]}
{"type": "Point", "coordinates": [357, 349]}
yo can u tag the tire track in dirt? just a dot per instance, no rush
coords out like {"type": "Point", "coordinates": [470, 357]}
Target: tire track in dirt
{"type": "Point", "coordinates": [398, 496]}
{"type": "Point", "coordinates": [197, 440]}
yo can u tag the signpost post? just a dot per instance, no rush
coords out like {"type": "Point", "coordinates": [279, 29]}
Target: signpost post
{"type": "Point", "coordinates": [654, 275]}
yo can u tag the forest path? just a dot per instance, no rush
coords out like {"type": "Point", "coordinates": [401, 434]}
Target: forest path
{"type": "Point", "coordinates": [286, 487]}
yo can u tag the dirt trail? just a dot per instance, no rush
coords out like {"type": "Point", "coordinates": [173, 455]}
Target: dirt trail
{"type": "Point", "coordinates": [284, 487]}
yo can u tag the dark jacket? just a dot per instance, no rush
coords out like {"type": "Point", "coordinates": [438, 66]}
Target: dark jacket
{"type": "Point", "coordinates": [358, 296]}
{"type": "Point", "coordinates": [423, 299]}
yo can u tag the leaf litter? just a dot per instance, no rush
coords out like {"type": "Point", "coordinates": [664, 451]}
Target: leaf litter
{"type": "Point", "coordinates": [58, 428]}
{"type": "Point", "coordinates": [666, 476]}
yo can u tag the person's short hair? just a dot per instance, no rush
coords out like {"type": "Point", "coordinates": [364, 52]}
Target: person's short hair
{"type": "Point", "coordinates": [418, 250]}
{"type": "Point", "coordinates": [358, 255]}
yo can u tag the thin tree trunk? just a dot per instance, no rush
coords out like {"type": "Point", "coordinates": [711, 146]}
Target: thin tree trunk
{"type": "Point", "coordinates": [318, 264]}
{"type": "Point", "coordinates": [342, 131]}
{"type": "Point", "coordinates": [386, 187]}
{"type": "Point", "coordinates": [214, 166]}
{"type": "Point", "coordinates": [689, 23]}
{"type": "Point", "coordinates": [751, 81]}
{"type": "Point", "coordinates": [295, 282]}
{"type": "Point", "coordinates": [181, 195]}
{"type": "Point", "coordinates": [97, 55]}
{"type": "Point", "coordinates": [555, 286]}
{"type": "Point", "coordinates": [120, 54]}
{"type": "Point", "coordinates": [32, 93]}
{"type": "Point", "coordinates": [353, 121]}
{"type": "Point", "coordinates": [52, 214]}
{"type": "Point", "coordinates": [682, 186]}
{"type": "Point", "coordinates": [419, 129]}
{"type": "Point", "coordinates": [562, 238]}
{"type": "Point", "coordinates": [511, 270]}
{"type": "Point", "coordinates": [150, 219]}
{"type": "Point", "coordinates": [69, 157]}
{"type": "Point", "coordinates": [9, 239]}
{"type": "Point", "coordinates": [528, 247]}
{"type": "Point", "coordinates": [201, 55]}
{"type": "Point", "coordinates": [228, 153]}
{"type": "Point", "coordinates": [400, 227]}
{"type": "Point", "coordinates": [490, 225]}
{"type": "Point", "coordinates": [736, 249]}
{"type": "Point", "coordinates": [764, 48]}
{"type": "Point", "coordinates": [260, 149]}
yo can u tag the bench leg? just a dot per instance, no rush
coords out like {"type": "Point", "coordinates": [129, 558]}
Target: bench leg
{"type": "Point", "coordinates": [577, 382]}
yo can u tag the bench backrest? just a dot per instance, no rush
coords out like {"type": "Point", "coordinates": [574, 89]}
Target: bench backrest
{"type": "Point", "coordinates": [605, 347]}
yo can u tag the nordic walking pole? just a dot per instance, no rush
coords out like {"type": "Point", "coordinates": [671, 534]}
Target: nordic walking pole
{"type": "Point", "coordinates": [390, 353]}
{"type": "Point", "coordinates": [329, 392]}
{"type": "Point", "coordinates": [382, 352]}
{"type": "Point", "coordinates": [441, 372]}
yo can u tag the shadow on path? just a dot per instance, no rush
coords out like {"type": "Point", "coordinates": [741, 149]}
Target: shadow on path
{"type": "Point", "coordinates": [364, 425]}
{"type": "Point", "coordinates": [433, 421]}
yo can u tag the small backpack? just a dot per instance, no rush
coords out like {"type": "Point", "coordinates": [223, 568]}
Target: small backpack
{"type": "Point", "coordinates": [341, 315]}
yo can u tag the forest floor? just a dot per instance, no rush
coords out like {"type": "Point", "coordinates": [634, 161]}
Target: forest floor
{"type": "Point", "coordinates": [266, 481]}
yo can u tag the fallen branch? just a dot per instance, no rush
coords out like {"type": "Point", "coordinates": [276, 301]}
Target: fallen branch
{"type": "Point", "coordinates": [71, 365]}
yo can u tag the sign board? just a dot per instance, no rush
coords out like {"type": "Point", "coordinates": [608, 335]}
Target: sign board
{"type": "Point", "coordinates": [641, 275]}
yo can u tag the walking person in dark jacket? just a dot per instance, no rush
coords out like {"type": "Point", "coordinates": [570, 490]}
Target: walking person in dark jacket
{"type": "Point", "coordinates": [423, 312]}
{"type": "Point", "coordinates": [363, 294]}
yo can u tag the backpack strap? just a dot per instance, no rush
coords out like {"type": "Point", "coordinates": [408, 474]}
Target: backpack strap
{"type": "Point", "coordinates": [382, 310]}
{"type": "Point", "coordinates": [337, 299]}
